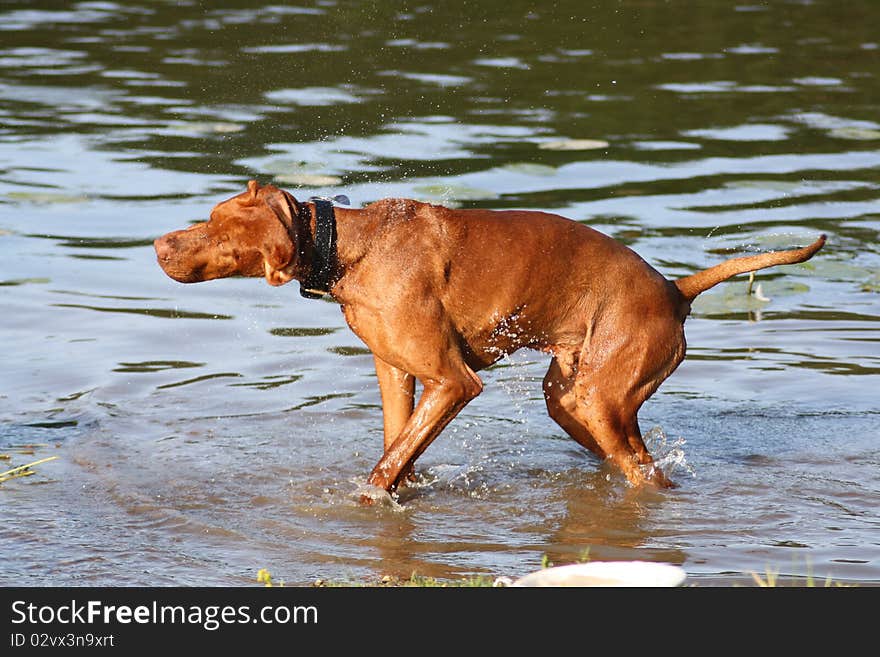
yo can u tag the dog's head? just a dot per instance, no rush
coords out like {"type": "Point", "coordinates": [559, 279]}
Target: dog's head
{"type": "Point", "coordinates": [252, 234]}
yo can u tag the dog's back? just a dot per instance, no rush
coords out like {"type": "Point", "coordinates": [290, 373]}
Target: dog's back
{"type": "Point", "coordinates": [506, 279]}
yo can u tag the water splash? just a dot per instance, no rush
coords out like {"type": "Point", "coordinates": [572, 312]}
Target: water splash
{"type": "Point", "coordinates": [460, 477]}
{"type": "Point", "coordinates": [668, 453]}
{"type": "Point", "coordinates": [518, 384]}
{"type": "Point", "coordinates": [379, 497]}
{"type": "Point", "coordinates": [508, 336]}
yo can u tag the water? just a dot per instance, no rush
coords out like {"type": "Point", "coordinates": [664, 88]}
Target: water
{"type": "Point", "coordinates": [205, 432]}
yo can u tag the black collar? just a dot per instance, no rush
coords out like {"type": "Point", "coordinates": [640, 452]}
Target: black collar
{"type": "Point", "coordinates": [318, 282]}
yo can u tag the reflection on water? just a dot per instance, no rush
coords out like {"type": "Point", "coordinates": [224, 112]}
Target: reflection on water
{"type": "Point", "coordinates": [197, 451]}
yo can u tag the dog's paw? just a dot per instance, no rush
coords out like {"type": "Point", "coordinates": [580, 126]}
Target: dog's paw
{"type": "Point", "coordinates": [369, 495]}
{"type": "Point", "coordinates": [656, 476]}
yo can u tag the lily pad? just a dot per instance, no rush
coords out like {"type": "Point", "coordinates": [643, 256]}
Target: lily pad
{"type": "Point", "coordinates": [209, 127]}
{"type": "Point", "coordinates": [573, 145]}
{"type": "Point", "coordinates": [734, 297]}
{"type": "Point", "coordinates": [24, 281]}
{"type": "Point", "coordinates": [281, 166]}
{"type": "Point", "coordinates": [457, 192]}
{"type": "Point", "coordinates": [872, 284]}
{"type": "Point", "coordinates": [777, 241]}
{"type": "Point", "coordinates": [46, 197]}
{"type": "Point", "coordinates": [783, 186]}
{"type": "Point", "coordinates": [856, 133]}
{"type": "Point", "coordinates": [842, 271]}
{"type": "Point", "coordinates": [308, 179]}
{"type": "Point", "coordinates": [530, 169]}
{"type": "Point", "coordinates": [781, 241]}
{"type": "Point", "coordinates": [306, 174]}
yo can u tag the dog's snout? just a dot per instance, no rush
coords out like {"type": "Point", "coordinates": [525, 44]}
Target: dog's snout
{"type": "Point", "coordinates": [167, 246]}
{"type": "Point", "coordinates": [162, 248]}
{"type": "Point", "coordinates": [181, 259]}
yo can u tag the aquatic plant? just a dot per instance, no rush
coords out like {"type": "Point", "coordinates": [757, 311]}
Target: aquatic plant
{"type": "Point", "coordinates": [23, 470]}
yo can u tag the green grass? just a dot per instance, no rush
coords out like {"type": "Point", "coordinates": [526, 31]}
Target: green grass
{"type": "Point", "coordinates": [415, 580]}
{"type": "Point", "coordinates": [771, 580]}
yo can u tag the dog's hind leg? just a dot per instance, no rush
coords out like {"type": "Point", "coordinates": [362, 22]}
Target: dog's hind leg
{"type": "Point", "coordinates": [562, 402]}
{"type": "Point", "coordinates": [613, 425]}
{"type": "Point", "coordinates": [616, 374]}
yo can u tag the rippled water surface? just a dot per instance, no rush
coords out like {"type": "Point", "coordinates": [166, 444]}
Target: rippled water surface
{"type": "Point", "coordinates": [204, 432]}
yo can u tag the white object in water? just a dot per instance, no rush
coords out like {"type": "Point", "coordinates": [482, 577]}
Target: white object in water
{"type": "Point", "coordinates": [607, 573]}
{"type": "Point", "coordinates": [759, 294]}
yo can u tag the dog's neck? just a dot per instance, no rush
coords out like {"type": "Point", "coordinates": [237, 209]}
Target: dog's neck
{"type": "Point", "coordinates": [348, 247]}
{"type": "Point", "coordinates": [323, 268]}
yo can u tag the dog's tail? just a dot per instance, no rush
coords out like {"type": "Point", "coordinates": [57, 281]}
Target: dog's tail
{"type": "Point", "coordinates": [691, 286]}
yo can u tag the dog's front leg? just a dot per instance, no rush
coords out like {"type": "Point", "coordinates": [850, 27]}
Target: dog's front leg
{"type": "Point", "coordinates": [440, 402]}
{"type": "Point", "coordinates": [398, 391]}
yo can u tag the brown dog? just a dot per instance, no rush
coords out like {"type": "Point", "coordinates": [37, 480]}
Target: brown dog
{"type": "Point", "coordinates": [439, 294]}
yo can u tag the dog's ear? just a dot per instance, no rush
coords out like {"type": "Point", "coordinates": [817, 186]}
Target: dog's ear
{"type": "Point", "coordinates": [253, 188]}
{"type": "Point", "coordinates": [281, 245]}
